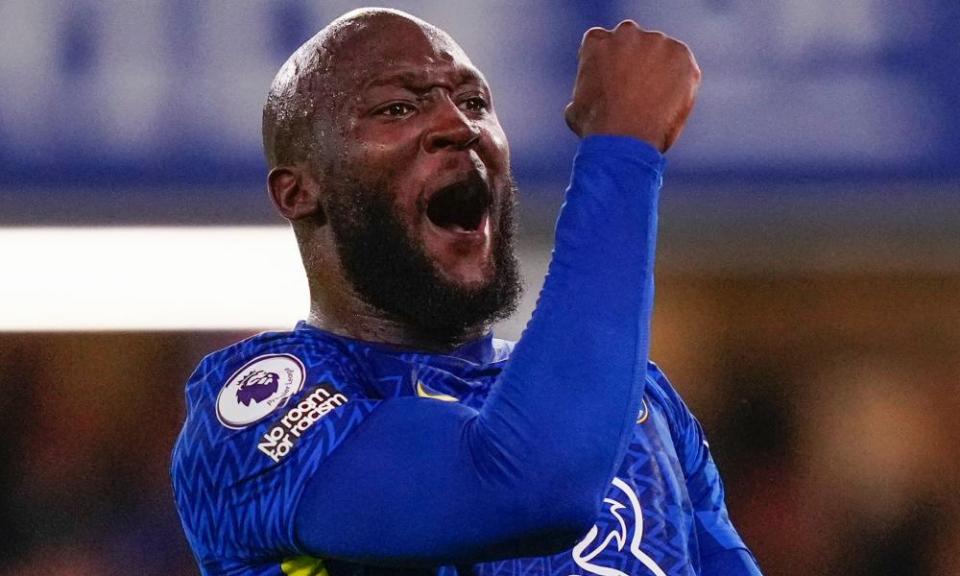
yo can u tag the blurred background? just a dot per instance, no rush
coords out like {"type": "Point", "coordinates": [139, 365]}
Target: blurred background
{"type": "Point", "coordinates": [808, 303]}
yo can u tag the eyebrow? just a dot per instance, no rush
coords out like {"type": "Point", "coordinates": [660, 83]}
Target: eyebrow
{"type": "Point", "coordinates": [418, 78]}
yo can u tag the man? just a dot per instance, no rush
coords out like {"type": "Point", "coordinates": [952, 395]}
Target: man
{"type": "Point", "coordinates": [390, 433]}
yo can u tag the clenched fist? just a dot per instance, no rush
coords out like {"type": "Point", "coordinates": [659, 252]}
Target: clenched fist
{"type": "Point", "coordinates": [632, 82]}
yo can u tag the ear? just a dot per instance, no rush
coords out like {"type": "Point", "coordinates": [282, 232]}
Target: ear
{"type": "Point", "coordinates": [294, 192]}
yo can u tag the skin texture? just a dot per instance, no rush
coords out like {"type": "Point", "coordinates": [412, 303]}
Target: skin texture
{"type": "Point", "coordinates": [633, 82]}
{"type": "Point", "coordinates": [381, 97]}
{"type": "Point", "coordinates": [381, 101]}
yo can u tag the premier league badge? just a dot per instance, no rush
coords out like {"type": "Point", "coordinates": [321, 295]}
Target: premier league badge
{"type": "Point", "coordinates": [261, 386]}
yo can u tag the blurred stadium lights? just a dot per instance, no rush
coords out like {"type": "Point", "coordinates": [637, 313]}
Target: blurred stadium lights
{"type": "Point", "coordinates": [155, 278]}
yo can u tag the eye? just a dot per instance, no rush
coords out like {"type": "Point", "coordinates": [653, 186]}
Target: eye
{"type": "Point", "coordinates": [475, 104]}
{"type": "Point", "coordinates": [397, 110]}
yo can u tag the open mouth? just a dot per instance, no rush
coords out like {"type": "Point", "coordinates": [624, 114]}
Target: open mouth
{"type": "Point", "coordinates": [461, 206]}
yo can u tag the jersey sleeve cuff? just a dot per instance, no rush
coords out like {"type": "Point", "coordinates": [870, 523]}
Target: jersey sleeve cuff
{"type": "Point", "coordinates": [626, 147]}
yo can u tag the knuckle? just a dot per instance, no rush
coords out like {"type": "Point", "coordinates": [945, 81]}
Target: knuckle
{"type": "Point", "coordinates": [627, 25]}
{"type": "Point", "coordinates": [691, 61]}
{"type": "Point", "coordinates": [595, 33]}
{"type": "Point", "coordinates": [678, 45]}
{"type": "Point", "coordinates": [682, 51]}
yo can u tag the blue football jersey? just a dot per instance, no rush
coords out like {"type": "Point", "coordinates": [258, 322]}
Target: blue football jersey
{"type": "Point", "coordinates": [264, 415]}
{"type": "Point", "coordinates": [306, 453]}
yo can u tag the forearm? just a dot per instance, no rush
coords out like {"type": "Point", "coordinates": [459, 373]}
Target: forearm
{"type": "Point", "coordinates": [580, 365]}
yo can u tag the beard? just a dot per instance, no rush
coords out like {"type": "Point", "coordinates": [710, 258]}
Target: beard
{"type": "Point", "coordinates": [392, 271]}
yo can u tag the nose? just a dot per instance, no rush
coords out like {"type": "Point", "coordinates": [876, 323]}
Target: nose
{"type": "Point", "coordinates": [450, 129]}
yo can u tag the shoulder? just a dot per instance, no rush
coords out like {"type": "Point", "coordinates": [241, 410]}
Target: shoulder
{"type": "Point", "coordinates": [237, 392]}
{"type": "Point", "coordinates": [270, 363]}
{"type": "Point", "coordinates": [261, 415]}
{"type": "Point", "coordinates": [306, 348]}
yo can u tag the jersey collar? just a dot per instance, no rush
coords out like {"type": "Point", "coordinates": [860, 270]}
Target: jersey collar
{"type": "Point", "coordinates": [482, 351]}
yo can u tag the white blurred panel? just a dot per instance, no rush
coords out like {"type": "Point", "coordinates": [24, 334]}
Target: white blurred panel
{"type": "Point", "coordinates": [178, 278]}
{"type": "Point", "coordinates": [61, 279]}
{"type": "Point", "coordinates": [852, 26]}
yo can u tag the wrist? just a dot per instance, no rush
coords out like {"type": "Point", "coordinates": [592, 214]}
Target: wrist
{"type": "Point", "coordinates": [623, 146]}
{"type": "Point", "coordinates": [652, 140]}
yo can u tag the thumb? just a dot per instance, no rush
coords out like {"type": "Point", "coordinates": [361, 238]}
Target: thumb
{"type": "Point", "coordinates": [570, 115]}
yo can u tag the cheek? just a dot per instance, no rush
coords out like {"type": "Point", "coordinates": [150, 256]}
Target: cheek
{"type": "Point", "coordinates": [379, 158]}
{"type": "Point", "coordinates": [382, 168]}
{"type": "Point", "coordinates": [373, 152]}
{"type": "Point", "coordinates": [383, 141]}
{"type": "Point", "coordinates": [496, 149]}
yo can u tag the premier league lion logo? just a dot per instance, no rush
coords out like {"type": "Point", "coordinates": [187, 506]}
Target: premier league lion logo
{"type": "Point", "coordinates": [257, 386]}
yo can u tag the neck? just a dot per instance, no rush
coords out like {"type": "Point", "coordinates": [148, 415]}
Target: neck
{"type": "Point", "coordinates": [337, 308]}
{"type": "Point", "coordinates": [348, 315]}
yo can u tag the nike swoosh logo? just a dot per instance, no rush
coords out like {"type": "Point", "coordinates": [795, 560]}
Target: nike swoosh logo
{"type": "Point", "coordinates": [424, 392]}
{"type": "Point", "coordinates": [644, 411]}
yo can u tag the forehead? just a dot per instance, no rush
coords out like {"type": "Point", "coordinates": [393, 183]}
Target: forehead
{"type": "Point", "coordinates": [400, 52]}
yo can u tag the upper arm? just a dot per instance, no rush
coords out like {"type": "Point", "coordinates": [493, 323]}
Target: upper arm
{"type": "Point", "coordinates": [238, 476]}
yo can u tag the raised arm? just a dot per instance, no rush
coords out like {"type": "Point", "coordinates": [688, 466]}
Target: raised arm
{"type": "Point", "coordinates": [430, 482]}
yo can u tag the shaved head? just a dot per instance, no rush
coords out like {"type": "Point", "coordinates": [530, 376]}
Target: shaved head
{"type": "Point", "coordinates": [305, 93]}
{"type": "Point", "coordinates": [387, 156]}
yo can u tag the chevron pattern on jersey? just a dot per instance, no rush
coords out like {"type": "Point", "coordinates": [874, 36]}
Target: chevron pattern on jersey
{"type": "Point", "coordinates": [237, 504]}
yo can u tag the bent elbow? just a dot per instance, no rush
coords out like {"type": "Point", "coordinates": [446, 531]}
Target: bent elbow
{"type": "Point", "coordinates": [565, 536]}
{"type": "Point", "coordinates": [577, 516]}
{"type": "Point", "coordinates": [558, 519]}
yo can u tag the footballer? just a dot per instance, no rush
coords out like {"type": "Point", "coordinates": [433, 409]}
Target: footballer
{"type": "Point", "coordinates": [389, 432]}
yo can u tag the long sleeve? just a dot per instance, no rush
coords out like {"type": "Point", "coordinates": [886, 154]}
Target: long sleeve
{"type": "Point", "coordinates": [433, 482]}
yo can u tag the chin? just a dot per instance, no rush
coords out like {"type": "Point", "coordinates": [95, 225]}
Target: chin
{"type": "Point", "coordinates": [463, 262]}
{"type": "Point", "coordinates": [468, 276]}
